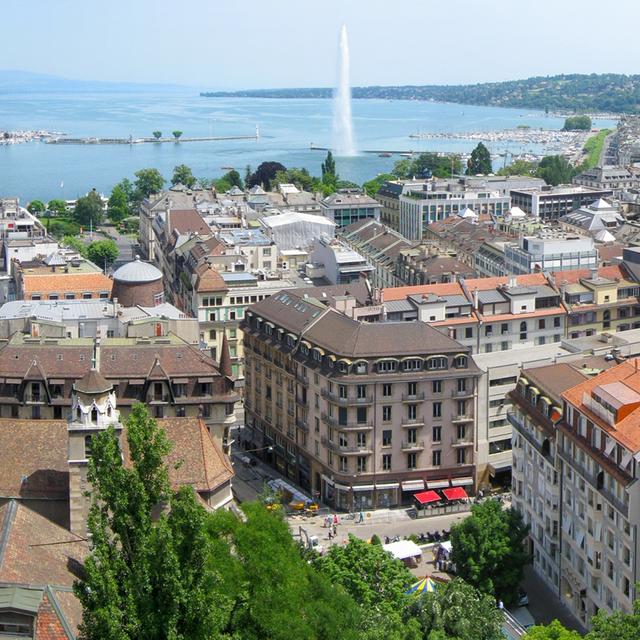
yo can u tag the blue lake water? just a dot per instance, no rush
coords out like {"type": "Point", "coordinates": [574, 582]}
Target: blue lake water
{"type": "Point", "coordinates": [287, 127]}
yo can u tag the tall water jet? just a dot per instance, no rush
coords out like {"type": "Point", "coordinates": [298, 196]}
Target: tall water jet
{"type": "Point", "coordinates": [343, 140]}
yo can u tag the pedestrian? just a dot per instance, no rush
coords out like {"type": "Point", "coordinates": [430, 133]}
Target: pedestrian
{"type": "Point", "coordinates": [335, 529]}
{"type": "Point", "coordinates": [361, 517]}
{"type": "Point", "coordinates": [335, 519]}
{"type": "Point", "coordinates": [330, 534]}
{"type": "Point", "coordinates": [500, 604]}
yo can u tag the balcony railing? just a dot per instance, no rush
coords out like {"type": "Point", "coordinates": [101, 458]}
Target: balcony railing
{"type": "Point", "coordinates": [413, 422]}
{"type": "Point", "coordinates": [413, 397]}
{"type": "Point", "coordinates": [302, 424]}
{"type": "Point", "coordinates": [364, 449]}
{"type": "Point", "coordinates": [413, 446]}
{"type": "Point", "coordinates": [462, 417]}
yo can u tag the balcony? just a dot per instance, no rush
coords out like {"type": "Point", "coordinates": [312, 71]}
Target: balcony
{"type": "Point", "coordinates": [302, 379]}
{"type": "Point", "coordinates": [467, 393]}
{"type": "Point", "coordinates": [346, 449]}
{"type": "Point", "coordinates": [342, 401]}
{"type": "Point", "coordinates": [413, 397]}
{"type": "Point", "coordinates": [158, 398]}
{"type": "Point", "coordinates": [462, 442]}
{"type": "Point", "coordinates": [34, 398]}
{"type": "Point", "coordinates": [462, 418]}
{"type": "Point", "coordinates": [302, 401]}
{"type": "Point", "coordinates": [302, 424]}
{"type": "Point", "coordinates": [409, 423]}
{"type": "Point", "coordinates": [331, 421]}
{"type": "Point", "coordinates": [413, 446]}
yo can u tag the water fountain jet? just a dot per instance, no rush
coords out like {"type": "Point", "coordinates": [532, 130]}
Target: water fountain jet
{"type": "Point", "coordinates": [343, 139]}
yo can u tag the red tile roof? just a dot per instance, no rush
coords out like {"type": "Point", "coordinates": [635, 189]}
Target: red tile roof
{"type": "Point", "coordinates": [401, 293]}
{"type": "Point", "coordinates": [62, 283]}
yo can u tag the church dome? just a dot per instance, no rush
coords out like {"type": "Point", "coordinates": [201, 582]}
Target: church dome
{"type": "Point", "coordinates": [137, 271]}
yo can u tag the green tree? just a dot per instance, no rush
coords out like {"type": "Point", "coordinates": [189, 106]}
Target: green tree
{"type": "Point", "coordinates": [329, 175]}
{"type": "Point", "coordinates": [458, 611]}
{"type": "Point", "coordinates": [577, 123]}
{"type": "Point", "coordinates": [233, 178]}
{"type": "Point", "coordinates": [264, 174]}
{"type": "Point", "coordinates": [89, 210]}
{"type": "Point", "coordinates": [556, 170]}
{"type": "Point", "coordinates": [488, 550]}
{"type": "Point", "coordinates": [553, 631]}
{"type": "Point", "coordinates": [76, 244]}
{"type": "Point", "coordinates": [375, 580]}
{"type": "Point", "coordinates": [247, 174]}
{"type": "Point", "coordinates": [519, 168]}
{"type": "Point", "coordinates": [182, 174]}
{"type": "Point", "coordinates": [480, 161]}
{"type": "Point", "coordinates": [157, 135]}
{"type": "Point", "coordinates": [176, 134]}
{"type": "Point", "coordinates": [148, 181]}
{"type": "Point", "coordinates": [58, 207]}
{"type": "Point", "coordinates": [221, 185]}
{"type": "Point", "coordinates": [103, 252]}
{"type": "Point", "coordinates": [301, 178]}
{"type": "Point", "coordinates": [617, 625]}
{"type": "Point", "coordinates": [427, 165]}
{"type": "Point", "coordinates": [118, 205]}
{"type": "Point", "coordinates": [36, 206]}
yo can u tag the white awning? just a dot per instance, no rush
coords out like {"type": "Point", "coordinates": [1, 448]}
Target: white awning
{"type": "Point", "coordinates": [342, 487]}
{"type": "Point", "coordinates": [461, 482]}
{"type": "Point", "coordinates": [611, 443]}
{"type": "Point", "coordinates": [437, 484]}
{"type": "Point", "coordinates": [403, 549]}
{"type": "Point", "coordinates": [413, 485]}
{"type": "Point", "coordinates": [387, 485]}
{"type": "Point", "coordinates": [364, 487]}
{"type": "Point", "coordinates": [329, 481]}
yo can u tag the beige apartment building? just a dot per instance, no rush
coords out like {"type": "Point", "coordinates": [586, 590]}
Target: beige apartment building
{"type": "Point", "coordinates": [582, 500]}
{"type": "Point", "coordinates": [361, 414]}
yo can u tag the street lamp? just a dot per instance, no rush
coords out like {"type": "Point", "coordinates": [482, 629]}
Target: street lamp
{"type": "Point", "coordinates": [268, 448]}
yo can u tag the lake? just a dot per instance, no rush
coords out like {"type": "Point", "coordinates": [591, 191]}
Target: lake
{"type": "Point", "coordinates": [287, 128]}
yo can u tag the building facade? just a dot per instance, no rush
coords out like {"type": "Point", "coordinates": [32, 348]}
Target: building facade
{"type": "Point", "coordinates": [347, 206]}
{"type": "Point", "coordinates": [551, 203]}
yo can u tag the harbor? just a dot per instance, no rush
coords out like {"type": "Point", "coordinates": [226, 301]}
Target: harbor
{"type": "Point", "coordinates": [152, 140]}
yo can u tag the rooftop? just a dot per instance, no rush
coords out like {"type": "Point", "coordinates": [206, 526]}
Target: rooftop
{"type": "Point", "coordinates": [137, 271]}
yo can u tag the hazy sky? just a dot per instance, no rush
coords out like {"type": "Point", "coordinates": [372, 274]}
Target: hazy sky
{"type": "Point", "coordinates": [290, 43]}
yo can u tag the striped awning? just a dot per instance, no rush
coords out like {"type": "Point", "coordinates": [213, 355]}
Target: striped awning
{"type": "Point", "coordinates": [437, 484]}
{"type": "Point", "coordinates": [387, 485]}
{"type": "Point", "coordinates": [413, 485]}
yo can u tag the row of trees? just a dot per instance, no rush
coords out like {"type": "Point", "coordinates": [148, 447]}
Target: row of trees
{"type": "Point", "coordinates": [176, 134]}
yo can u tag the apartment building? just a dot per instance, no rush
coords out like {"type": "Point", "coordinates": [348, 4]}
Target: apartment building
{"type": "Point", "coordinates": [617, 179]}
{"type": "Point", "coordinates": [551, 203]}
{"type": "Point", "coordinates": [588, 447]}
{"type": "Point", "coordinates": [336, 262]}
{"type": "Point", "coordinates": [361, 414]}
{"type": "Point", "coordinates": [347, 206]}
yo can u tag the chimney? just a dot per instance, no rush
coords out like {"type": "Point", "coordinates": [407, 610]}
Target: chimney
{"type": "Point", "coordinates": [475, 299]}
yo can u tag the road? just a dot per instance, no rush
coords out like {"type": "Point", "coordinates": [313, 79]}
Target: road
{"type": "Point", "coordinates": [125, 245]}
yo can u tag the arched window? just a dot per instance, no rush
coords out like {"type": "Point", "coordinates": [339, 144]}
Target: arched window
{"type": "Point", "coordinates": [94, 415]}
{"type": "Point", "coordinates": [109, 411]}
{"type": "Point", "coordinates": [460, 362]}
{"type": "Point", "coordinates": [523, 330]}
{"type": "Point", "coordinates": [78, 413]}
{"type": "Point", "coordinates": [87, 446]}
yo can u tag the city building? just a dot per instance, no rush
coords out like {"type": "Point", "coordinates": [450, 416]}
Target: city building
{"type": "Point", "coordinates": [381, 246]}
{"type": "Point", "coordinates": [425, 264]}
{"type": "Point", "coordinates": [361, 414]}
{"type": "Point", "coordinates": [347, 206]}
{"type": "Point", "coordinates": [617, 179]}
{"type": "Point", "coordinates": [588, 445]}
{"type": "Point", "coordinates": [138, 283]}
{"type": "Point", "coordinates": [295, 230]}
{"type": "Point", "coordinates": [437, 200]}
{"type": "Point", "coordinates": [336, 262]}
{"type": "Point", "coordinates": [551, 203]}
{"type": "Point", "coordinates": [594, 218]}
{"type": "Point", "coordinates": [16, 222]}
{"type": "Point", "coordinates": [59, 278]}
{"type": "Point", "coordinates": [550, 250]}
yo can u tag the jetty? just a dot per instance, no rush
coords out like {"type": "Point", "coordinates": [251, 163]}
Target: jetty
{"type": "Point", "coordinates": [132, 140]}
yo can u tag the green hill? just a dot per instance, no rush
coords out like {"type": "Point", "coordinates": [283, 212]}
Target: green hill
{"type": "Point", "coordinates": [610, 92]}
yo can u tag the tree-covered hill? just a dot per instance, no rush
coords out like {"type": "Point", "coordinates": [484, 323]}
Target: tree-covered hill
{"type": "Point", "coordinates": [595, 92]}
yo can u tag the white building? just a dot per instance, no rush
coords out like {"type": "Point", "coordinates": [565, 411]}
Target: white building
{"type": "Point", "coordinates": [294, 230]}
{"type": "Point", "coordinates": [336, 262]}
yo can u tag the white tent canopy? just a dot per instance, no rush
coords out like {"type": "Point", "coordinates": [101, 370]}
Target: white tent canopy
{"type": "Point", "coordinates": [403, 549]}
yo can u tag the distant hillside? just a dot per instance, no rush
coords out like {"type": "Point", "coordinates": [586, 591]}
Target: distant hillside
{"type": "Point", "coordinates": [12, 81]}
{"type": "Point", "coordinates": [610, 92]}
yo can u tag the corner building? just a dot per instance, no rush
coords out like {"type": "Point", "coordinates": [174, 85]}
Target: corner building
{"type": "Point", "coordinates": [362, 414]}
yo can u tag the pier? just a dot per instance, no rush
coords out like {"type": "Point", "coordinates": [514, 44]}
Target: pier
{"type": "Point", "coordinates": [132, 140]}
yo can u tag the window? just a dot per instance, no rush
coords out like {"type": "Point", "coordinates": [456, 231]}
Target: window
{"type": "Point", "coordinates": [342, 416]}
{"type": "Point", "coordinates": [468, 332]}
{"type": "Point", "coordinates": [436, 434]}
{"type": "Point", "coordinates": [462, 407]}
{"type": "Point", "coordinates": [460, 362]}
{"type": "Point", "coordinates": [342, 391]}
{"type": "Point", "coordinates": [87, 296]}
{"type": "Point", "coordinates": [361, 415]}
{"type": "Point", "coordinates": [87, 446]}
{"type": "Point", "coordinates": [461, 456]}
{"type": "Point", "coordinates": [35, 412]}
{"type": "Point", "coordinates": [437, 410]}
{"type": "Point", "coordinates": [488, 330]}
{"type": "Point", "coordinates": [386, 462]}
{"type": "Point", "coordinates": [16, 625]}
{"type": "Point", "coordinates": [462, 384]}
{"type": "Point", "coordinates": [343, 441]}
{"type": "Point", "coordinates": [436, 386]}
{"type": "Point", "coordinates": [361, 391]}
{"type": "Point", "coordinates": [361, 464]}
{"type": "Point", "coordinates": [361, 367]}
{"type": "Point", "coordinates": [504, 328]}
{"type": "Point", "coordinates": [344, 464]}
{"type": "Point", "coordinates": [412, 460]}
{"type": "Point", "coordinates": [180, 412]}
{"type": "Point", "coordinates": [556, 322]}
{"type": "Point", "coordinates": [386, 438]}
{"type": "Point", "coordinates": [412, 389]}
{"type": "Point", "coordinates": [439, 362]}
{"type": "Point", "coordinates": [412, 412]}
{"type": "Point", "coordinates": [387, 366]}
{"type": "Point", "coordinates": [412, 365]}
{"type": "Point", "coordinates": [361, 440]}
{"type": "Point", "coordinates": [436, 457]}
{"type": "Point", "coordinates": [386, 413]}
{"type": "Point", "coordinates": [69, 296]}
{"type": "Point", "coordinates": [541, 323]}
{"type": "Point", "coordinates": [386, 390]}
{"type": "Point", "coordinates": [462, 432]}
{"type": "Point", "coordinates": [523, 330]}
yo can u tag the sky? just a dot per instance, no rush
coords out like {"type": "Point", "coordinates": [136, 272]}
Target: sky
{"type": "Point", "coordinates": [293, 43]}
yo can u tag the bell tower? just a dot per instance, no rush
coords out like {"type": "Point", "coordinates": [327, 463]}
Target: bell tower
{"type": "Point", "coordinates": [93, 409]}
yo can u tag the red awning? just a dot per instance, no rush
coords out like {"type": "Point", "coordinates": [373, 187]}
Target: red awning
{"type": "Point", "coordinates": [455, 493]}
{"type": "Point", "coordinates": [424, 497]}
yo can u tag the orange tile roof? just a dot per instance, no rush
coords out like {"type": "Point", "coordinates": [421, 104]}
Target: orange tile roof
{"type": "Point", "coordinates": [627, 430]}
{"type": "Point", "coordinates": [66, 282]}
{"type": "Point", "coordinates": [572, 277]}
{"type": "Point", "coordinates": [525, 280]}
{"type": "Point", "coordinates": [449, 321]}
{"type": "Point", "coordinates": [440, 289]}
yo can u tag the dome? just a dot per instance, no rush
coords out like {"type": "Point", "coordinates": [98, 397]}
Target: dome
{"type": "Point", "coordinates": [137, 271]}
{"type": "Point", "coordinates": [93, 383]}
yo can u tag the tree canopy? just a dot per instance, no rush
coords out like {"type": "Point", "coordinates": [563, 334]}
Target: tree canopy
{"type": "Point", "coordinates": [519, 168]}
{"type": "Point", "coordinates": [182, 174]}
{"type": "Point", "coordinates": [148, 181]}
{"type": "Point", "coordinates": [57, 206]}
{"type": "Point", "coordinates": [556, 170]}
{"type": "Point", "coordinates": [264, 174]}
{"type": "Point", "coordinates": [233, 178]}
{"type": "Point", "coordinates": [488, 550]}
{"type": "Point", "coordinates": [426, 165]}
{"type": "Point", "coordinates": [480, 161]}
{"type": "Point", "coordinates": [88, 210]}
{"type": "Point", "coordinates": [118, 207]}
{"type": "Point", "coordinates": [553, 631]}
{"type": "Point", "coordinates": [176, 134]}
{"type": "Point", "coordinates": [615, 626]}
{"type": "Point", "coordinates": [103, 252]}
{"type": "Point", "coordinates": [76, 244]}
{"type": "Point", "coordinates": [371, 187]}
{"type": "Point", "coordinates": [157, 135]}
{"type": "Point", "coordinates": [36, 206]}
{"type": "Point", "coordinates": [577, 123]}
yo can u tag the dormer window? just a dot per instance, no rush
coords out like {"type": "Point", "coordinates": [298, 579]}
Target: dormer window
{"type": "Point", "coordinates": [14, 624]}
{"type": "Point", "coordinates": [437, 362]}
{"type": "Point", "coordinates": [94, 415]}
{"type": "Point", "coordinates": [387, 366]}
{"type": "Point", "coordinates": [361, 367]}
{"type": "Point", "coordinates": [414, 364]}
{"type": "Point", "coordinates": [461, 362]}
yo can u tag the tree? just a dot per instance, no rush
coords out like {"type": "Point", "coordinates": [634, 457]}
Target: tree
{"type": "Point", "coordinates": [76, 244]}
{"type": "Point", "coordinates": [329, 175]}
{"type": "Point", "coordinates": [488, 550]}
{"type": "Point", "coordinates": [247, 174]}
{"type": "Point", "coordinates": [553, 631]}
{"type": "Point", "coordinates": [519, 168]}
{"type": "Point", "coordinates": [457, 610]}
{"type": "Point", "coordinates": [556, 170]}
{"type": "Point", "coordinates": [427, 165]}
{"type": "Point", "coordinates": [221, 185]}
{"type": "Point", "coordinates": [301, 178]}
{"type": "Point", "coordinates": [148, 181]}
{"type": "Point", "coordinates": [89, 210]}
{"type": "Point", "coordinates": [233, 178]}
{"type": "Point", "coordinates": [118, 205]}
{"type": "Point", "coordinates": [264, 174]}
{"type": "Point", "coordinates": [177, 134]}
{"type": "Point", "coordinates": [58, 207]}
{"type": "Point", "coordinates": [371, 187]}
{"type": "Point", "coordinates": [36, 206]}
{"type": "Point", "coordinates": [103, 252]}
{"type": "Point", "coordinates": [375, 580]}
{"type": "Point", "coordinates": [480, 161]}
{"type": "Point", "coordinates": [182, 174]}
{"type": "Point", "coordinates": [616, 626]}
{"type": "Point", "coordinates": [577, 123]}
{"type": "Point", "coordinates": [157, 135]}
